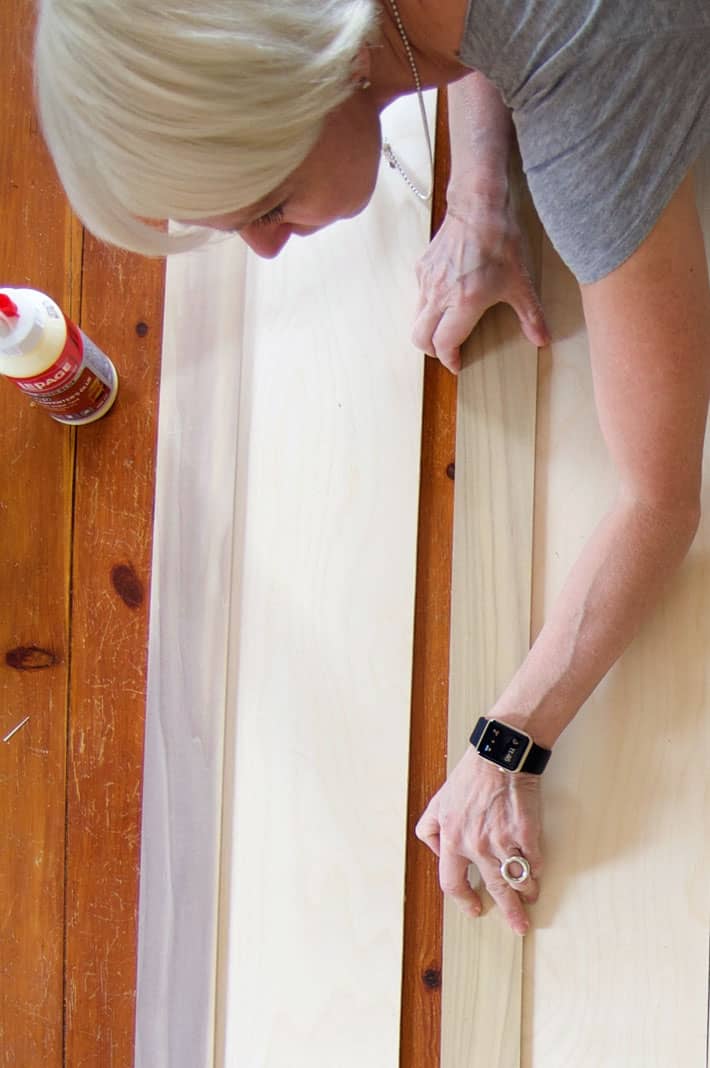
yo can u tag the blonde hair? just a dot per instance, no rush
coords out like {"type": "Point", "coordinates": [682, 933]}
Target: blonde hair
{"type": "Point", "coordinates": [183, 109]}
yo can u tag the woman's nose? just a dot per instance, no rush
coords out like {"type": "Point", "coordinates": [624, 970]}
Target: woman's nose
{"type": "Point", "coordinates": [266, 241]}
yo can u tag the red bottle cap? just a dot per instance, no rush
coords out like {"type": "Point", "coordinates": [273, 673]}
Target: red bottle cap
{"type": "Point", "coordinates": [8, 307]}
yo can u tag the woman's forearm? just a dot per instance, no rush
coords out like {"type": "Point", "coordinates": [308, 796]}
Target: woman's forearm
{"type": "Point", "coordinates": [609, 593]}
{"type": "Point", "coordinates": [481, 133]}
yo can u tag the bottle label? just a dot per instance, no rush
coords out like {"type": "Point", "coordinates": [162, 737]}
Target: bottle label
{"type": "Point", "coordinates": [78, 384]}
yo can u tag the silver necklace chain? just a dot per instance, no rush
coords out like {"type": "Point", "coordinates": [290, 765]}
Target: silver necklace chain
{"type": "Point", "coordinates": [386, 147]}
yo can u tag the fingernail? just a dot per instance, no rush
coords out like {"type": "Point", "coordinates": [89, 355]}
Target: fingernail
{"type": "Point", "coordinates": [522, 928]}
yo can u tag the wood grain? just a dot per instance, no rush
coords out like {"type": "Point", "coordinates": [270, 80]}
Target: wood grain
{"type": "Point", "coordinates": [616, 971]}
{"type": "Point", "coordinates": [490, 631]}
{"type": "Point", "coordinates": [37, 239]}
{"type": "Point", "coordinates": [194, 516]}
{"type": "Point", "coordinates": [322, 641]}
{"type": "Point", "coordinates": [121, 295]}
{"type": "Point", "coordinates": [423, 912]}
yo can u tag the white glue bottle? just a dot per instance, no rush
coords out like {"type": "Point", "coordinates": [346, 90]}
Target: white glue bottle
{"type": "Point", "coordinates": [51, 360]}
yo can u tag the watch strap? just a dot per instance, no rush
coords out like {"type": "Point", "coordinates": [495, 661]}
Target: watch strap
{"type": "Point", "coordinates": [536, 760]}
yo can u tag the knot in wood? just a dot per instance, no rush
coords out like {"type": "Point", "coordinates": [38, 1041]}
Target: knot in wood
{"type": "Point", "coordinates": [30, 658]}
{"type": "Point", "coordinates": [127, 585]}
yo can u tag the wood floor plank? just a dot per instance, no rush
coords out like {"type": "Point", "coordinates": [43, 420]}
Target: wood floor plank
{"type": "Point", "coordinates": [322, 643]}
{"type": "Point", "coordinates": [36, 240]}
{"type": "Point", "coordinates": [121, 305]}
{"type": "Point", "coordinates": [423, 913]}
{"type": "Point", "coordinates": [490, 631]}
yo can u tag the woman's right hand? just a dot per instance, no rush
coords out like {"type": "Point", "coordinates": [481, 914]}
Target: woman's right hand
{"type": "Point", "coordinates": [483, 815]}
{"type": "Point", "coordinates": [474, 261]}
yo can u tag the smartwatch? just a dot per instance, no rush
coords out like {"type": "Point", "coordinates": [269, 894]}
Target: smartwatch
{"type": "Point", "coordinates": [509, 748]}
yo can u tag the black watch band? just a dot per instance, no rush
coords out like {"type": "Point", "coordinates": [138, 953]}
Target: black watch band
{"type": "Point", "coordinates": [504, 746]}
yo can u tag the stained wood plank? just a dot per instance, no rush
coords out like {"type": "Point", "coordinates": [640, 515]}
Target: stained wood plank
{"type": "Point", "coordinates": [121, 295]}
{"type": "Point", "coordinates": [490, 630]}
{"type": "Point", "coordinates": [423, 913]}
{"type": "Point", "coordinates": [37, 247]}
{"type": "Point", "coordinates": [320, 694]}
{"type": "Point", "coordinates": [616, 971]}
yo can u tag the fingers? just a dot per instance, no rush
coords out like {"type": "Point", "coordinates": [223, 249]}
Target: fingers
{"type": "Point", "coordinates": [531, 316]}
{"type": "Point", "coordinates": [453, 877]}
{"type": "Point", "coordinates": [428, 831]}
{"type": "Point", "coordinates": [508, 900]}
{"type": "Point", "coordinates": [441, 332]}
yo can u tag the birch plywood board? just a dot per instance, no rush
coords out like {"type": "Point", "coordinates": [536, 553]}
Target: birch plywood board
{"type": "Point", "coordinates": [321, 649]}
{"type": "Point", "coordinates": [616, 971]}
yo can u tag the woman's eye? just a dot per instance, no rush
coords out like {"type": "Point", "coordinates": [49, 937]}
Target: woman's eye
{"type": "Point", "coordinates": [276, 215]}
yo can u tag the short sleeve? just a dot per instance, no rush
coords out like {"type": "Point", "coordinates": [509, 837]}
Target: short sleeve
{"type": "Point", "coordinates": [606, 146]}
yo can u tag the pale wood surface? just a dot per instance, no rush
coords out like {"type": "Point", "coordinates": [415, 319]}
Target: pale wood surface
{"type": "Point", "coordinates": [319, 702]}
{"type": "Point", "coordinates": [199, 405]}
{"type": "Point", "coordinates": [615, 971]}
{"type": "Point", "coordinates": [305, 382]}
{"type": "Point", "coordinates": [493, 522]}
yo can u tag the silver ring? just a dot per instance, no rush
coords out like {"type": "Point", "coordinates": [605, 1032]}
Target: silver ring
{"type": "Point", "coordinates": [516, 881]}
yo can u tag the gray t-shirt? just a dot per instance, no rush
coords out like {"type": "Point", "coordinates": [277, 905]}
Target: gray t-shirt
{"type": "Point", "coordinates": [611, 102]}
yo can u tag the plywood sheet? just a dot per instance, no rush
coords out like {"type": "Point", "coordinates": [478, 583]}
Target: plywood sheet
{"type": "Point", "coordinates": [298, 372]}
{"type": "Point", "coordinates": [322, 641]}
{"type": "Point", "coordinates": [615, 970]}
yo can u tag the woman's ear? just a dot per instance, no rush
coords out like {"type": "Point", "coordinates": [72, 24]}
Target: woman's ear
{"type": "Point", "coordinates": [361, 68]}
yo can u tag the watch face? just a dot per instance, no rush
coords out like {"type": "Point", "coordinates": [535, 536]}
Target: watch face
{"type": "Point", "coordinates": [504, 745]}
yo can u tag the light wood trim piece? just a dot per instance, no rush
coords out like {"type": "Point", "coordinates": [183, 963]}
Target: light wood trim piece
{"type": "Point", "coordinates": [491, 591]}
{"type": "Point", "coordinates": [492, 575]}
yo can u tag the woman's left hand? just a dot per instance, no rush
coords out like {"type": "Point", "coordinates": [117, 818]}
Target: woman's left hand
{"type": "Point", "coordinates": [474, 261]}
{"type": "Point", "coordinates": [483, 815]}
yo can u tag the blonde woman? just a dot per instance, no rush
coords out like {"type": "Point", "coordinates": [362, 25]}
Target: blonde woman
{"type": "Point", "coordinates": [262, 117]}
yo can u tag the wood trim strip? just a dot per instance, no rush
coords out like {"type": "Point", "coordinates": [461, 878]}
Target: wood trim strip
{"type": "Point", "coordinates": [490, 633]}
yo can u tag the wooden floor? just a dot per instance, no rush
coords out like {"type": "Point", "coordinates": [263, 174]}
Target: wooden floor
{"type": "Point", "coordinates": [75, 528]}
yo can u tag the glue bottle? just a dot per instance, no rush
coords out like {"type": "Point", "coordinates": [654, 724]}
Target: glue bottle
{"type": "Point", "coordinates": [52, 360]}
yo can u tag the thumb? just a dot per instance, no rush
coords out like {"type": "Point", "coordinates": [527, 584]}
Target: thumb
{"type": "Point", "coordinates": [531, 316]}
